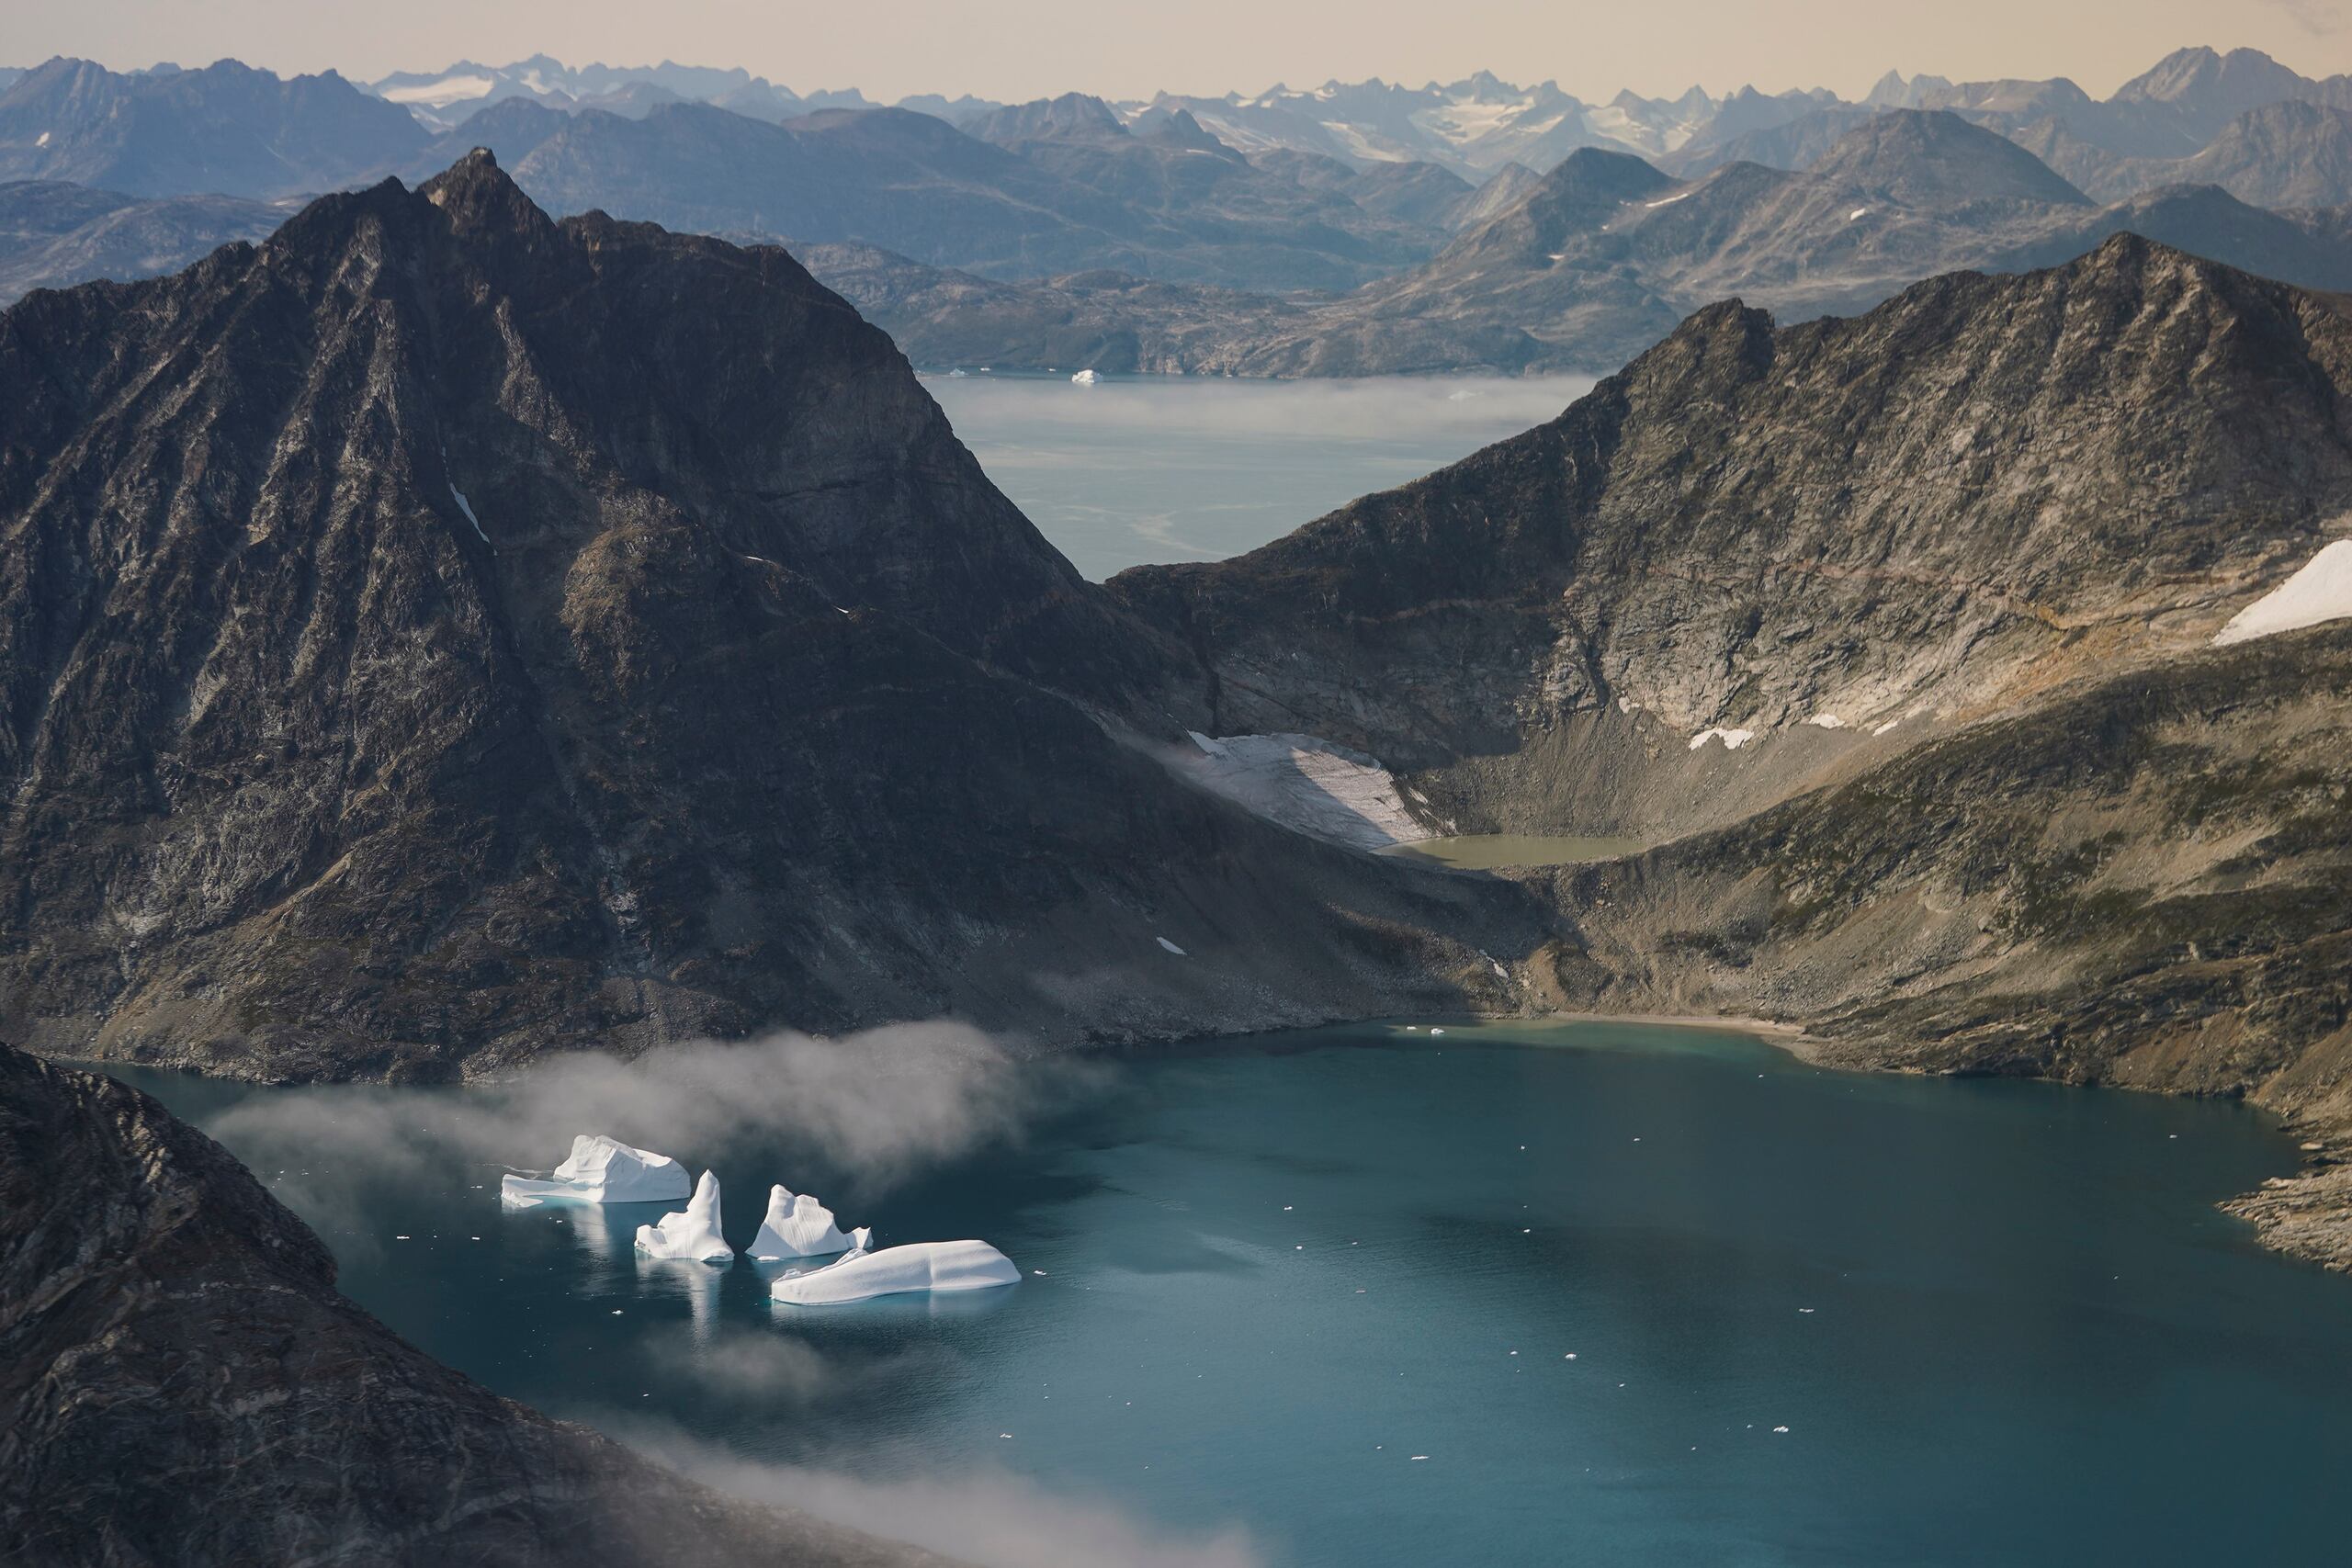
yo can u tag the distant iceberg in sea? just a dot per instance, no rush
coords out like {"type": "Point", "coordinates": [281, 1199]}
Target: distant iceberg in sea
{"type": "Point", "coordinates": [1085, 378]}
{"type": "Point", "coordinates": [601, 1171]}
{"type": "Point", "coordinates": [799, 1226]}
{"type": "Point", "coordinates": [895, 1271]}
{"type": "Point", "coordinates": [692, 1234]}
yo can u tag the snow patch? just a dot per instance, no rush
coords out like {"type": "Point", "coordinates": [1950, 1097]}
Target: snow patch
{"type": "Point", "coordinates": [1826, 721]}
{"type": "Point", "coordinates": [1733, 739]}
{"type": "Point", "coordinates": [799, 1226]}
{"type": "Point", "coordinates": [1669, 200]}
{"type": "Point", "coordinates": [2321, 591]}
{"type": "Point", "coordinates": [1305, 784]}
{"type": "Point", "coordinates": [1882, 729]}
{"type": "Point", "coordinates": [897, 1271]}
{"type": "Point", "coordinates": [440, 93]}
{"type": "Point", "coordinates": [42, 140]}
{"type": "Point", "coordinates": [1858, 213]}
{"type": "Point", "coordinates": [601, 1171]}
{"type": "Point", "coordinates": [692, 1235]}
{"type": "Point", "coordinates": [1171, 946]}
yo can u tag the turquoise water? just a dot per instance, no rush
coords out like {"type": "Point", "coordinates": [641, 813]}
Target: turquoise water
{"type": "Point", "coordinates": [1175, 469]}
{"type": "Point", "coordinates": [2001, 1322]}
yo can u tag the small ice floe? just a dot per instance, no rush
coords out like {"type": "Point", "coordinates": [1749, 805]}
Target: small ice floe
{"type": "Point", "coordinates": [399, 1239]}
{"type": "Point", "coordinates": [1460, 395]}
{"type": "Point", "coordinates": [1733, 739]}
{"type": "Point", "coordinates": [1826, 721]}
{"type": "Point", "coordinates": [920, 1266]}
{"type": "Point", "coordinates": [1171, 946]}
{"type": "Point", "coordinates": [1781, 1429]}
{"type": "Point", "coordinates": [1437, 1031]}
{"type": "Point", "coordinates": [1418, 1458]}
{"type": "Point", "coordinates": [2322, 590]}
{"type": "Point", "coordinates": [954, 374]}
{"type": "Point", "coordinates": [692, 1235]}
{"type": "Point", "coordinates": [601, 1171]}
{"type": "Point", "coordinates": [1084, 378]}
{"type": "Point", "coordinates": [799, 1226]}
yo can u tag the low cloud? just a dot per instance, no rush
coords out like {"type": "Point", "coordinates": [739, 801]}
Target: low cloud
{"type": "Point", "coordinates": [989, 1517]}
{"type": "Point", "coordinates": [872, 1110]}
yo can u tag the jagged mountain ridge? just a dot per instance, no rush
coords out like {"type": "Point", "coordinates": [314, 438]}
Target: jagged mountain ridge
{"type": "Point", "coordinates": [1894, 633]}
{"type": "Point", "coordinates": [164, 1318]}
{"type": "Point", "coordinates": [441, 635]}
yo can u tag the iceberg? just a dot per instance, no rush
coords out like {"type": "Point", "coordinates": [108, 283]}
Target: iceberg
{"type": "Point", "coordinates": [799, 1226]}
{"type": "Point", "coordinates": [601, 1171]}
{"type": "Point", "coordinates": [1085, 378]}
{"type": "Point", "coordinates": [895, 1271]}
{"type": "Point", "coordinates": [693, 1235]}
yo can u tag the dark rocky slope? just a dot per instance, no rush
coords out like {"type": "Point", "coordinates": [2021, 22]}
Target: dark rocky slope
{"type": "Point", "coordinates": [1949, 574]}
{"type": "Point", "coordinates": [181, 1382]}
{"type": "Point", "coordinates": [441, 635]}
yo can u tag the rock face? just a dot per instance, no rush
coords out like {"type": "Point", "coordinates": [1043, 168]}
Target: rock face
{"type": "Point", "coordinates": [1955, 567]}
{"type": "Point", "coordinates": [442, 633]}
{"type": "Point", "coordinates": [181, 1382]}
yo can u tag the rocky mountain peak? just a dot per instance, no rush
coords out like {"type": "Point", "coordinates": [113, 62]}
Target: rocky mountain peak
{"type": "Point", "coordinates": [1935, 158]}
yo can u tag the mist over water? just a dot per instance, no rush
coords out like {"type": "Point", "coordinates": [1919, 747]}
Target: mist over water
{"type": "Point", "coordinates": [1173, 468]}
{"type": "Point", "coordinates": [1367, 1295]}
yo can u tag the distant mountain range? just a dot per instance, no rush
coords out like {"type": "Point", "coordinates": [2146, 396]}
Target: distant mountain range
{"type": "Point", "coordinates": [1471, 226]}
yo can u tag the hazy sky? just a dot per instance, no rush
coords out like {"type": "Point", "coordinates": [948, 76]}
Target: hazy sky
{"type": "Point", "coordinates": [1016, 48]}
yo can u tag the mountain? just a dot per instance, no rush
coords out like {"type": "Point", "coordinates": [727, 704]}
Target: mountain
{"type": "Point", "coordinates": [180, 1381]}
{"type": "Point", "coordinates": [226, 129]}
{"type": "Point", "coordinates": [1939, 160]}
{"type": "Point", "coordinates": [439, 635]}
{"type": "Point", "coordinates": [1054, 197]}
{"type": "Point", "coordinates": [446, 98]}
{"type": "Point", "coordinates": [53, 234]}
{"type": "Point", "coordinates": [1794, 144]}
{"type": "Point", "coordinates": [1895, 635]}
{"type": "Point", "coordinates": [2283, 155]}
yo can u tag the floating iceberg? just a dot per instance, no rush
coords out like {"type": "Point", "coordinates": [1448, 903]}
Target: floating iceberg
{"type": "Point", "coordinates": [799, 1226]}
{"type": "Point", "coordinates": [922, 1266]}
{"type": "Point", "coordinates": [1084, 378]}
{"type": "Point", "coordinates": [602, 1171]}
{"type": "Point", "coordinates": [693, 1235]}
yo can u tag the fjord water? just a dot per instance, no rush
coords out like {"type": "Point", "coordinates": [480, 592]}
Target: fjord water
{"type": "Point", "coordinates": [1160, 468]}
{"type": "Point", "coordinates": [1326, 1287]}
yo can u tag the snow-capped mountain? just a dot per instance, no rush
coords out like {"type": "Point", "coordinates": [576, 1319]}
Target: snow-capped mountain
{"type": "Point", "coordinates": [448, 97]}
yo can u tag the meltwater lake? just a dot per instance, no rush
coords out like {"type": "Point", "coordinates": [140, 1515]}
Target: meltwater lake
{"type": "Point", "coordinates": [1160, 468]}
{"type": "Point", "coordinates": [1565, 1294]}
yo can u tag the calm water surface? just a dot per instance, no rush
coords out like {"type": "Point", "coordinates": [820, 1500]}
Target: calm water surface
{"type": "Point", "coordinates": [1176, 468]}
{"type": "Point", "coordinates": [2001, 1322]}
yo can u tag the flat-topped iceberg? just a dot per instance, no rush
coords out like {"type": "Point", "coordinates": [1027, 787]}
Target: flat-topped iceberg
{"type": "Point", "coordinates": [602, 1171]}
{"type": "Point", "coordinates": [799, 1226]}
{"type": "Point", "coordinates": [693, 1235]}
{"type": "Point", "coordinates": [895, 1271]}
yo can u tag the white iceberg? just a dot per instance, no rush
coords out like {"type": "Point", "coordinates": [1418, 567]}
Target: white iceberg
{"type": "Point", "coordinates": [1084, 378]}
{"type": "Point", "coordinates": [894, 1270]}
{"type": "Point", "coordinates": [799, 1226]}
{"type": "Point", "coordinates": [693, 1235]}
{"type": "Point", "coordinates": [601, 1171]}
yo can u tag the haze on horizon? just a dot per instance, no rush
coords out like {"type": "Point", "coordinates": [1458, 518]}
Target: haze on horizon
{"type": "Point", "coordinates": [1016, 50]}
